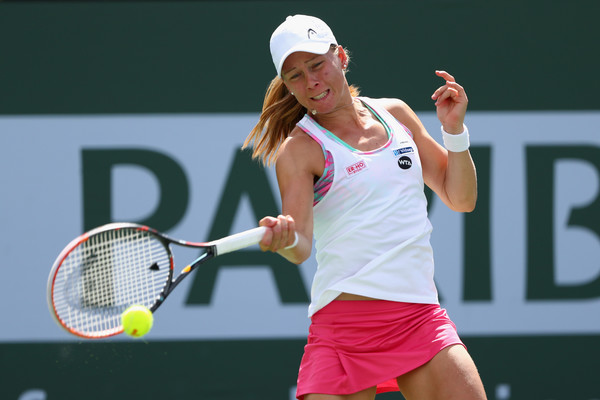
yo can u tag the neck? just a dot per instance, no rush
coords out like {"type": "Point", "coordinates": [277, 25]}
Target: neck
{"type": "Point", "coordinates": [338, 108]}
{"type": "Point", "coordinates": [345, 117]}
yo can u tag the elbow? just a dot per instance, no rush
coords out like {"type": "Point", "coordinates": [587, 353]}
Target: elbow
{"type": "Point", "coordinates": [295, 260]}
{"type": "Point", "coordinates": [463, 202]}
{"type": "Point", "coordinates": [466, 205]}
{"type": "Point", "coordinates": [298, 258]}
{"type": "Point", "coordinates": [299, 252]}
{"type": "Point", "coordinates": [467, 208]}
{"type": "Point", "coordinates": [295, 255]}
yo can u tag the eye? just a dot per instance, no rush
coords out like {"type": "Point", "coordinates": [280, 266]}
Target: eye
{"type": "Point", "coordinates": [291, 76]}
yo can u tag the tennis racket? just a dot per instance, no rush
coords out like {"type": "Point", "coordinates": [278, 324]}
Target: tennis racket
{"type": "Point", "coordinates": [104, 271]}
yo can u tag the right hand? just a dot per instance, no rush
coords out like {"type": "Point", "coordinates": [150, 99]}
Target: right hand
{"type": "Point", "coordinates": [281, 233]}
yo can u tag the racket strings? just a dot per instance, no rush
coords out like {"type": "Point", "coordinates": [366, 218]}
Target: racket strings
{"type": "Point", "coordinates": [104, 275]}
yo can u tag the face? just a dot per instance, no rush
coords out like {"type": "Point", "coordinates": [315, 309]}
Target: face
{"type": "Point", "coordinates": [317, 81]}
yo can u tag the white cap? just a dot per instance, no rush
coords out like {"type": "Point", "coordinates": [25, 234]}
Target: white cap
{"type": "Point", "coordinates": [300, 33]}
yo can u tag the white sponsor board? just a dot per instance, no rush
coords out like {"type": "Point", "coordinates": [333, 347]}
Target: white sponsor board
{"type": "Point", "coordinates": [41, 211]}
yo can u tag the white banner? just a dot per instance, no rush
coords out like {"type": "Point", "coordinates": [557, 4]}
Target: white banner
{"type": "Point", "coordinates": [41, 210]}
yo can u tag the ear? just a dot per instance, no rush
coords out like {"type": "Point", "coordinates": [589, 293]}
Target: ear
{"type": "Point", "coordinates": [343, 57]}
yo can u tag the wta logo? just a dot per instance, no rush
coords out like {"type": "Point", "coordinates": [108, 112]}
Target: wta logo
{"type": "Point", "coordinates": [405, 162]}
{"type": "Point", "coordinates": [356, 168]}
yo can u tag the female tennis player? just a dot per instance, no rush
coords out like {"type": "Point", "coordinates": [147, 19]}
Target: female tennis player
{"type": "Point", "coordinates": [351, 171]}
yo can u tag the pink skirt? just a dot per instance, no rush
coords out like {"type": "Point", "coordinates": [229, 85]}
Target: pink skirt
{"type": "Point", "coordinates": [355, 345]}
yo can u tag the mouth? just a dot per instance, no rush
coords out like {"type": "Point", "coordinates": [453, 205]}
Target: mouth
{"type": "Point", "coordinates": [321, 96]}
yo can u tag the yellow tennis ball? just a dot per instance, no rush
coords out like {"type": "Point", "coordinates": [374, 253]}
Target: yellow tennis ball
{"type": "Point", "coordinates": [137, 321]}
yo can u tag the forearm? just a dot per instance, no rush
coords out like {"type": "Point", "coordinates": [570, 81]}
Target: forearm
{"type": "Point", "coordinates": [297, 253]}
{"type": "Point", "coordinates": [460, 183]}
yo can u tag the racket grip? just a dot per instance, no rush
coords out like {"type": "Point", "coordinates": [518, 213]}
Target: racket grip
{"type": "Point", "coordinates": [239, 240]}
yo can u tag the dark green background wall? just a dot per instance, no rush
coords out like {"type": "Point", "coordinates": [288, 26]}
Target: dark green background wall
{"type": "Point", "coordinates": [536, 368]}
{"type": "Point", "coordinates": [143, 57]}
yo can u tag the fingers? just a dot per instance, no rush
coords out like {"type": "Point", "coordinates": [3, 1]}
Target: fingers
{"type": "Point", "coordinates": [445, 75]}
{"type": "Point", "coordinates": [451, 90]}
{"type": "Point", "coordinates": [451, 103]}
{"type": "Point", "coordinates": [445, 92]}
{"type": "Point", "coordinates": [281, 233]}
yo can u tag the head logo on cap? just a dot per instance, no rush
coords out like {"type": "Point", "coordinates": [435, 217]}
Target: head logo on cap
{"type": "Point", "coordinates": [300, 33]}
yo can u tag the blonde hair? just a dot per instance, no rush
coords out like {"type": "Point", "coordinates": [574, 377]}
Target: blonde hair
{"type": "Point", "coordinates": [280, 114]}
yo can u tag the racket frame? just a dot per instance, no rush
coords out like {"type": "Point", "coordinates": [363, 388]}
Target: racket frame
{"type": "Point", "coordinates": [211, 250]}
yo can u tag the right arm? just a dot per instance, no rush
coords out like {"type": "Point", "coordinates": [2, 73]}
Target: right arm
{"type": "Point", "coordinates": [300, 159]}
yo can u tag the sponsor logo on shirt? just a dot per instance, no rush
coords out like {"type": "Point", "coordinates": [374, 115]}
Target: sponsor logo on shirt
{"type": "Point", "coordinates": [404, 150]}
{"type": "Point", "coordinates": [356, 168]}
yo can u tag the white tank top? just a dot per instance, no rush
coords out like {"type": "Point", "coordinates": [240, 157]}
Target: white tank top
{"type": "Point", "coordinates": [371, 227]}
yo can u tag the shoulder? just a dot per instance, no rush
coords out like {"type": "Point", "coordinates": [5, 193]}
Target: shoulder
{"type": "Point", "coordinates": [299, 143]}
{"type": "Point", "coordinates": [402, 113]}
{"type": "Point", "coordinates": [300, 153]}
{"type": "Point", "coordinates": [398, 108]}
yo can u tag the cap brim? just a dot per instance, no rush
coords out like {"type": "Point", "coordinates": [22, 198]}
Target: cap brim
{"type": "Point", "coordinates": [310, 46]}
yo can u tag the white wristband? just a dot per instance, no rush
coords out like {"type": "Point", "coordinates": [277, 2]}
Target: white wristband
{"type": "Point", "coordinates": [291, 246]}
{"type": "Point", "coordinates": [456, 143]}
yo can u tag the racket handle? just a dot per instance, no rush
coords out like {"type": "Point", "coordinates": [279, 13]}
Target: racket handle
{"type": "Point", "coordinates": [239, 240]}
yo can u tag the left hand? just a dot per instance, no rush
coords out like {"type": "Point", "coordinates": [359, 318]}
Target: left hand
{"type": "Point", "coordinates": [451, 103]}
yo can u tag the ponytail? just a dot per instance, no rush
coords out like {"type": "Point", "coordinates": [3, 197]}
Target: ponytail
{"type": "Point", "coordinates": [280, 113]}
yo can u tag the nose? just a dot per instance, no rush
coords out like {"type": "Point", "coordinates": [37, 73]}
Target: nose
{"type": "Point", "coordinates": [312, 80]}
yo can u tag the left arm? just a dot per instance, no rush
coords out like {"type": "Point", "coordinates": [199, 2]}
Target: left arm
{"type": "Point", "coordinates": [450, 175]}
